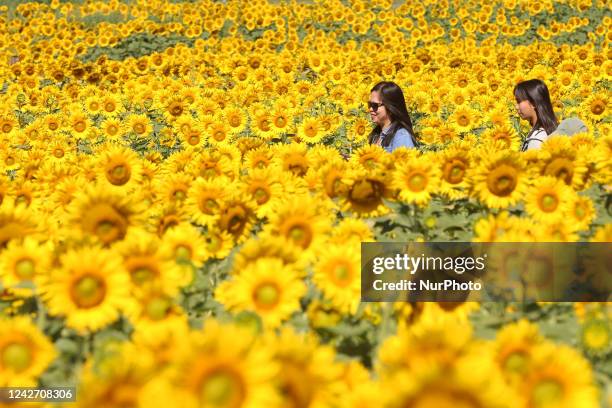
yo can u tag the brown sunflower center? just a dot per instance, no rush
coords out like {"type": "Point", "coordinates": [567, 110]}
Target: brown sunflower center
{"type": "Point", "coordinates": [454, 171]}
{"type": "Point", "coordinates": [193, 139]}
{"type": "Point", "coordinates": [597, 108]}
{"type": "Point", "coordinates": [417, 182]}
{"type": "Point", "coordinates": [366, 192]}
{"type": "Point", "coordinates": [235, 121]}
{"type": "Point", "coordinates": [58, 153]}
{"type": "Point", "coordinates": [16, 356]}
{"type": "Point", "coordinates": [310, 130]}
{"type": "Point", "coordinates": [502, 180]}
{"type": "Point", "coordinates": [119, 174]}
{"type": "Point", "coordinates": [79, 126]}
{"type": "Point", "coordinates": [7, 127]}
{"type": "Point", "coordinates": [139, 128]}
{"type": "Point", "coordinates": [175, 109]}
{"type": "Point", "coordinates": [342, 275]}
{"type": "Point", "coordinates": [280, 122]}
{"type": "Point", "coordinates": [463, 120]}
{"type": "Point", "coordinates": [112, 130]}
{"type": "Point", "coordinates": [142, 274]}
{"type": "Point", "coordinates": [261, 195]}
{"type": "Point", "coordinates": [548, 202]}
{"type": "Point", "coordinates": [88, 291]}
{"type": "Point", "coordinates": [234, 219]}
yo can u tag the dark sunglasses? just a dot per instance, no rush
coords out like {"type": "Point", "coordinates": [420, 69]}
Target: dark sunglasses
{"type": "Point", "coordinates": [374, 106]}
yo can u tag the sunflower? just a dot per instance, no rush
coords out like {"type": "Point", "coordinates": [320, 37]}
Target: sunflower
{"type": "Point", "coordinates": [90, 295]}
{"type": "Point", "coordinates": [79, 123]}
{"type": "Point", "coordinates": [365, 194]}
{"type": "Point", "coordinates": [464, 119]}
{"type": "Point", "coordinates": [165, 216]}
{"type": "Point", "coordinates": [371, 158]}
{"type": "Point", "coordinates": [273, 247]}
{"type": "Point", "coordinates": [499, 181]}
{"type": "Point", "coordinates": [211, 164]}
{"type": "Point", "coordinates": [174, 108]}
{"type": "Point", "coordinates": [311, 130]}
{"type": "Point", "coordinates": [264, 187]}
{"type": "Point", "coordinates": [236, 217]}
{"type": "Point", "coordinates": [143, 262]}
{"type": "Point", "coordinates": [417, 179]}
{"type": "Point", "coordinates": [338, 275]}
{"type": "Point", "coordinates": [24, 261]}
{"type": "Point", "coordinates": [184, 243]}
{"type": "Point", "coordinates": [266, 287]}
{"type": "Point", "coordinates": [596, 106]}
{"type": "Point", "coordinates": [205, 199]}
{"type": "Point", "coordinates": [596, 336]}
{"type": "Point", "coordinates": [111, 105]}
{"type": "Point", "coordinates": [459, 385]}
{"type": "Point", "coordinates": [293, 158]}
{"type": "Point", "coordinates": [548, 384]}
{"type": "Point", "coordinates": [262, 126]}
{"type": "Point", "coordinates": [112, 128]}
{"type": "Point", "coordinates": [26, 352]}
{"type": "Point", "coordinates": [153, 311]}
{"type": "Point", "coordinates": [560, 159]}
{"type": "Point", "coordinates": [218, 243]}
{"type": "Point", "coordinates": [222, 367]}
{"type": "Point", "coordinates": [351, 230]}
{"type": "Point", "coordinates": [103, 213]}
{"type": "Point", "coordinates": [235, 118]}
{"type": "Point", "coordinates": [173, 188]}
{"type": "Point", "coordinates": [359, 131]}
{"type": "Point", "coordinates": [503, 136]}
{"type": "Point", "coordinates": [549, 199]}
{"type": "Point", "coordinates": [309, 375]}
{"type": "Point", "coordinates": [15, 222]}
{"type": "Point", "coordinates": [219, 133]}
{"type": "Point", "coordinates": [140, 125]}
{"type": "Point", "coordinates": [454, 163]}
{"type": "Point", "coordinates": [300, 221]}
{"type": "Point", "coordinates": [514, 348]}
{"type": "Point", "coordinates": [258, 158]}
{"type": "Point", "coordinates": [121, 168]}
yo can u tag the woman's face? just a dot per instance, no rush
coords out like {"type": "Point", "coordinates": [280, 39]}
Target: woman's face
{"type": "Point", "coordinates": [526, 111]}
{"type": "Point", "coordinates": [380, 115]}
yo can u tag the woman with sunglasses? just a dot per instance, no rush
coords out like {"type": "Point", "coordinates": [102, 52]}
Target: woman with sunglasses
{"type": "Point", "coordinates": [387, 108]}
{"type": "Point", "coordinates": [533, 104]}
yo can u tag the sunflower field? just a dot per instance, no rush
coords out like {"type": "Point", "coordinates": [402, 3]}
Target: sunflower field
{"type": "Point", "coordinates": [184, 187]}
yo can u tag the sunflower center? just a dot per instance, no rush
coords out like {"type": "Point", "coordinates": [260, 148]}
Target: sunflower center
{"type": "Point", "coordinates": [454, 172]}
{"type": "Point", "coordinates": [222, 389]}
{"type": "Point", "coordinates": [516, 362]}
{"type": "Point", "coordinates": [89, 291]}
{"type": "Point", "coordinates": [417, 182]}
{"type": "Point", "coordinates": [261, 195]}
{"type": "Point", "coordinates": [118, 175]}
{"type": "Point", "coordinates": [547, 392]}
{"type": "Point", "coordinates": [219, 135]}
{"type": "Point", "coordinates": [445, 399]}
{"type": "Point", "coordinates": [502, 180]}
{"type": "Point", "coordinates": [264, 125]}
{"type": "Point", "coordinates": [310, 131]}
{"type": "Point", "coordinates": [266, 295]}
{"type": "Point", "coordinates": [300, 234]}
{"type": "Point", "coordinates": [158, 308]}
{"type": "Point", "coordinates": [24, 268]}
{"type": "Point", "coordinates": [112, 130]}
{"type": "Point", "coordinates": [176, 110]}
{"type": "Point", "coordinates": [463, 120]}
{"type": "Point", "coordinates": [182, 253]}
{"type": "Point", "coordinates": [597, 108]}
{"type": "Point", "coordinates": [193, 140]}
{"type": "Point", "coordinates": [235, 121]}
{"type": "Point", "coordinates": [342, 275]}
{"type": "Point", "coordinates": [179, 195]}
{"type": "Point", "coordinates": [579, 212]}
{"type": "Point", "coordinates": [58, 153]}
{"type": "Point", "coordinates": [79, 126]}
{"type": "Point", "coordinates": [549, 203]}
{"type": "Point", "coordinates": [7, 127]}
{"type": "Point", "coordinates": [142, 275]}
{"type": "Point", "coordinates": [17, 357]}
{"type": "Point", "coordinates": [139, 128]}
{"type": "Point", "coordinates": [280, 122]}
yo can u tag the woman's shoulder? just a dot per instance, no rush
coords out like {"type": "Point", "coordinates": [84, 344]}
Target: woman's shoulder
{"type": "Point", "coordinates": [402, 138]}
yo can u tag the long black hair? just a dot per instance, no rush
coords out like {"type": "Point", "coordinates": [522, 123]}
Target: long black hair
{"type": "Point", "coordinates": [393, 98]}
{"type": "Point", "coordinates": [536, 92]}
